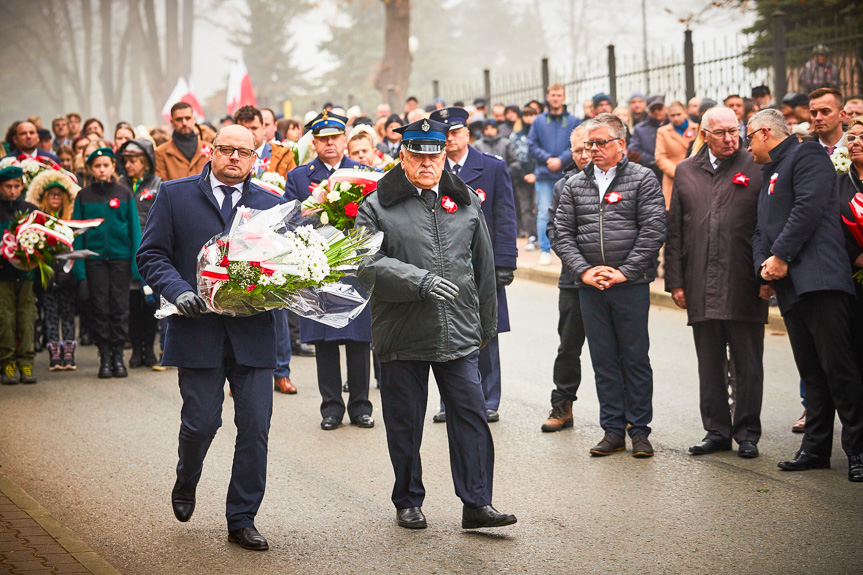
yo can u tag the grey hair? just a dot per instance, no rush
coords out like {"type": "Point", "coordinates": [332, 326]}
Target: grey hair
{"type": "Point", "coordinates": [616, 127]}
{"type": "Point", "coordinates": [715, 111]}
{"type": "Point", "coordinates": [770, 118]}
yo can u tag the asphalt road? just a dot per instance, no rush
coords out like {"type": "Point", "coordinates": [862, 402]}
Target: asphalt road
{"type": "Point", "coordinates": [100, 455]}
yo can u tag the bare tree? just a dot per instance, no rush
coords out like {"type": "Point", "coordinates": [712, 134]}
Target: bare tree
{"type": "Point", "coordinates": [395, 70]}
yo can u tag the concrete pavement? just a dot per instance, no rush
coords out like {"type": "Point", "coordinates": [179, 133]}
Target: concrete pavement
{"type": "Point", "coordinates": [100, 454]}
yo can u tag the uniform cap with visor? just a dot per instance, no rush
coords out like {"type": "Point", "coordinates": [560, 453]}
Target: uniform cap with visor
{"type": "Point", "coordinates": [454, 117]}
{"type": "Point", "coordinates": [424, 136]}
{"type": "Point", "coordinates": [327, 124]}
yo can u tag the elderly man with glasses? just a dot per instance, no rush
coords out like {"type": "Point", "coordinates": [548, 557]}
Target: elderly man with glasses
{"type": "Point", "coordinates": [208, 348]}
{"type": "Point", "coordinates": [608, 229]}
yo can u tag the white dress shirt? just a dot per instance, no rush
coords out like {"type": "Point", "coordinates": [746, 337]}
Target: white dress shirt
{"type": "Point", "coordinates": [714, 161]}
{"type": "Point", "coordinates": [220, 195]}
{"type": "Point", "coordinates": [434, 189]}
{"type": "Point", "coordinates": [603, 179]}
{"type": "Point", "coordinates": [460, 162]}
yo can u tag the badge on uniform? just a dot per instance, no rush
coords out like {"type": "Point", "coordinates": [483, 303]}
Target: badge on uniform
{"type": "Point", "coordinates": [613, 197]}
{"type": "Point", "coordinates": [114, 203]}
{"type": "Point", "coordinates": [448, 204]}
{"type": "Point", "coordinates": [773, 179]}
{"type": "Point", "coordinates": [481, 195]}
{"type": "Point", "coordinates": [741, 179]}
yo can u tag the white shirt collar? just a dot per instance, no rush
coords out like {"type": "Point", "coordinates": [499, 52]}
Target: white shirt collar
{"type": "Point", "coordinates": [714, 161]}
{"type": "Point", "coordinates": [260, 151]}
{"type": "Point", "coordinates": [839, 144]}
{"type": "Point", "coordinates": [215, 183]}
{"type": "Point", "coordinates": [609, 175]}
{"type": "Point", "coordinates": [461, 161]}
{"type": "Point", "coordinates": [329, 167]}
{"type": "Point", "coordinates": [433, 188]}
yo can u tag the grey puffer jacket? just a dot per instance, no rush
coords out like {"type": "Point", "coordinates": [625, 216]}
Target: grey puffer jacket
{"type": "Point", "coordinates": [418, 244]}
{"type": "Point", "coordinates": [625, 234]}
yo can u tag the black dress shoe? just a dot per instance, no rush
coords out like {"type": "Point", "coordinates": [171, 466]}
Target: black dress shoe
{"type": "Point", "coordinates": [302, 349]}
{"type": "Point", "coordinates": [248, 538]}
{"type": "Point", "coordinates": [486, 516]}
{"type": "Point", "coordinates": [708, 445]}
{"type": "Point", "coordinates": [855, 468]}
{"type": "Point", "coordinates": [747, 450]}
{"type": "Point", "coordinates": [804, 460]}
{"type": "Point", "coordinates": [363, 421]}
{"type": "Point", "coordinates": [330, 422]}
{"type": "Point", "coordinates": [439, 417]}
{"type": "Point", "coordinates": [183, 501]}
{"type": "Point", "coordinates": [491, 415]}
{"type": "Point", "coordinates": [411, 518]}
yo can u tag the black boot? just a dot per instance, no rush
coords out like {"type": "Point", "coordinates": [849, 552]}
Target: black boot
{"type": "Point", "coordinates": [105, 370]}
{"type": "Point", "coordinates": [136, 360]}
{"type": "Point", "coordinates": [148, 357]}
{"type": "Point", "coordinates": [118, 368]}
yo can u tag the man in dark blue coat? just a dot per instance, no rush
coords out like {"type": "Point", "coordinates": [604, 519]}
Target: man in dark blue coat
{"type": "Point", "coordinates": [488, 176]}
{"type": "Point", "coordinates": [798, 246]}
{"type": "Point", "coordinates": [209, 348]}
{"type": "Point", "coordinates": [329, 143]}
{"type": "Point", "coordinates": [26, 141]}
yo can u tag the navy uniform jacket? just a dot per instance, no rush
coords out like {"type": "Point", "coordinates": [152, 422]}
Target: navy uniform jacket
{"type": "Point", "coordinates": [299, 179]}
{"type": "Point", "coordinates": [184, 217]}
{"type": "Point", "coordinates": [799, 222]}
{"type": "Point", "coordinates": [488, 175]}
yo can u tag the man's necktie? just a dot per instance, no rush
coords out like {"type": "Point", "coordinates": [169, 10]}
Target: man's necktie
{"type": "Point", "coordinates": [456, 168]}
{"type": "Point", "coordinates": [830, 150]}
{"type": "Point", "coordinates": [227, 202]}
{"type": "Point", "coordinates": [428, 197]}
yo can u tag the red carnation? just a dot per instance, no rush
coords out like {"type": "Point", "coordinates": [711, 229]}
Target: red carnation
{"type": "Point", "coordinates": [351, 209]}
{"type": "Point", "coordinates": [251, 287]}
{"type": "Point", "coordinates": [39, 219]}
{"type": "Point", "coordinates": [224, 262]}
{"type": "Point", "coordinates": [52, 241]}
{"type": "Point", "coordinates": [255, 264]}
{"type": "Point", "coordinates": [267, 271]}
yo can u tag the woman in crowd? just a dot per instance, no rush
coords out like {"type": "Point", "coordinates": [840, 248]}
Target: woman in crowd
{"type": "Point", "coordinates": [850, 184]}
{"type": "Point", "coordinates": [123, 132]}
{"type": "Point", "coordinates": [54, 193]}
{"type": "Point", "coordinates": [139, 160]}
{"type": "Point", "coordinates": [110, 272]}
{"type": "Point", "coordinates": [67, 158]}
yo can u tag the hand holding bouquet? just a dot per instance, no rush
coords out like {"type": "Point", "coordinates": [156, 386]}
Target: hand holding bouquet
{"type": "Point", "coordinates": [336, 201]}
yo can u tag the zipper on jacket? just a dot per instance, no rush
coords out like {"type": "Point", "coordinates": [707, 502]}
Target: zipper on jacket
{"type": "Point", "coordinates": [601, 240]}
{"type": "Point", "coordinates": [442, 304]}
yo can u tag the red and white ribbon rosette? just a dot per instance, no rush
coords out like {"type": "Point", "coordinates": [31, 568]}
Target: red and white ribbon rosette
{"type": "Point", "coordinates": [740, 179]}
{"type": "Point", "coordinates": [448, 204]}
{"type": "Point", "coordinates": [773, 179]}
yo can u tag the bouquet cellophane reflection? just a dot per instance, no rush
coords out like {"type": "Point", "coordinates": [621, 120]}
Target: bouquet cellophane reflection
{"type": "Point", "coordinates": [273, 259]}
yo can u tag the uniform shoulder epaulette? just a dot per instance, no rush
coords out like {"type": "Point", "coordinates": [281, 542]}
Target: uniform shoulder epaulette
{"type": "Point", "coordinates": [493, 156]}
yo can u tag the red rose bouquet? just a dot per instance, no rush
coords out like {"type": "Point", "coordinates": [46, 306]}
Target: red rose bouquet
{"type": "Point", "coordinates": [336, 200]}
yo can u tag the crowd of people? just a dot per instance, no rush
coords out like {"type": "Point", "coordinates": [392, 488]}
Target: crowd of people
{"type": "Point", "coordinates": [741, 201]}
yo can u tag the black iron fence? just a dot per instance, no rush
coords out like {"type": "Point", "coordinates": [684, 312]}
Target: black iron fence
{"type": "Point", "coordinates": [713, 70]}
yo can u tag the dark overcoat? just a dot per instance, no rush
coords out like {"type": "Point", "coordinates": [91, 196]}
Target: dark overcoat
{"type": "Point", "coordinates": [799, 222]}
{"type": "Point", "coordinates": [184, 217]}
{"type": "Point", "coordinates": [489, 177]}
{"type": "Point", "coordinates": [299, 179]}
{"type": "Point", "coordinates": [708, 250]}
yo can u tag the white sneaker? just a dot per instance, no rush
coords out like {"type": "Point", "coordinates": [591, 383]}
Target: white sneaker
{"type": "Point", "coordinates": [531, 244]}
{"type": "Point", "coordinates": [544, 258]}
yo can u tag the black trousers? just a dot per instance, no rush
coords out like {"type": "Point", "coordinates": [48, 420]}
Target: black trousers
{"type": "Point", "coordinates": [328, 360]}
{"type": "Point", "coordinates": [746, 341]}
{"type": "Point", "coordinates": [857, 326]}
{"type": "Point", "coordinates": [820, 334]}
{"type": "Point", "coordinates": [404, 398]}
{"type": "Point", "coordinates": [142, 322]}
{"type": "Point", "coordinates": [108, 283]}
{"type": "Point", "coordinates": [567, 365]}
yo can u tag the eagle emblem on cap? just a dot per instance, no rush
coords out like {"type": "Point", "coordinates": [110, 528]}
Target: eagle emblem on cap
{"type": "Point", "coordinates": [425, 127]}
{"type": "Point", "coordinates": [444, 113]}
{"type": "Point", "coordinates": [324, 117]}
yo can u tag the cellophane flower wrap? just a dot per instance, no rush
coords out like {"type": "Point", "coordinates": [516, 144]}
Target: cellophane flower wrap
{"type": "Point", "coordinates": [37, 239]}
{"type": "Point", "coordinates": [269, 260]}
{"type": "Point", "coordinates": [856, 226]}
{"type": "Point", "coordinates": [336, 200]}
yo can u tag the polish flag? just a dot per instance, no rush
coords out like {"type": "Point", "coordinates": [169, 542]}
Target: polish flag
{"type": "Point", "coordinates": [240, 91]}
{"type": "Point", "coordinates": [182, 92]}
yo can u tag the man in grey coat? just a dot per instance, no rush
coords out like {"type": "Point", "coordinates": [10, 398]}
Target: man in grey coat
{"type": "Point", "coordinates": [708, 271]}
{"type": "Point", "coordinates": [434, 305]}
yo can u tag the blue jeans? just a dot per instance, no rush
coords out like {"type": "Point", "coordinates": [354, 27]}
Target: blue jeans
{"type": "Point", "coordinates": [544, 192]}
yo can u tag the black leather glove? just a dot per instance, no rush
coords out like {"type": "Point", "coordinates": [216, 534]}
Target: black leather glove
{"type": "Point", "coordinates": [190, 304]}
{"type": "Point", "coordinates": [440, 289]}
{"type": "Point", "coordinates": [503, 276]}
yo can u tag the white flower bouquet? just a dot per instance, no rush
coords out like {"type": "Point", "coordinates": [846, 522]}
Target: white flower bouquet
{"type": "Point", "coordinates": [268, 261]}
{"type": "Point", "coordinates": [841, 160]}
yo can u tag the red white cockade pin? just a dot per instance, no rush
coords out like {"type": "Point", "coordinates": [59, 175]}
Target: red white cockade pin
{"type": "Point", "coordinates": [447, 204]}
{"type": "Point", "coordinates": [773, 179]}
{"type": "Point", "coordinates": [481, 195]}
{"type": "Point", "coordinates": [114, 203]}
{"type": "Point", "coordinates": [741, 179]}
{"type": "Point", "coordinates": [613, 197]}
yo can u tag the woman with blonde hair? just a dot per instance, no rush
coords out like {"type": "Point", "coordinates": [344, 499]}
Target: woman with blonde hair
{"type": "Point", "coordinates": [54, 193]}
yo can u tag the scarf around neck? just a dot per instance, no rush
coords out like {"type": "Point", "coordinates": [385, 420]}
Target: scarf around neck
{"type": "Point", "coordinates": [188, 145]}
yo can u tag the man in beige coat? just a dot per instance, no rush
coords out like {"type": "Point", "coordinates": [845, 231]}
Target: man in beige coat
{"type": "Point", "coordinates": [182, 155]}
{"type": "Point", "coordinates": [672, 145]}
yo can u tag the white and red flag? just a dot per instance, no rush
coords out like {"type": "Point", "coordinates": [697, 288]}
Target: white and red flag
{"type": "Point", "coordinates": [240, 91]}
{"type": "Point", "coordinates": [182, 92]}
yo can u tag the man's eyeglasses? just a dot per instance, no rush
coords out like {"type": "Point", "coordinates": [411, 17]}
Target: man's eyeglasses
{"type": "Point", "coordinates": [733, 132]}
{"type": "Point", "coordinates": [589, 144]}
{"type": "Point", "coordinates": [747, 139]}
{"type": "Point", "coordinates": [228, 151]}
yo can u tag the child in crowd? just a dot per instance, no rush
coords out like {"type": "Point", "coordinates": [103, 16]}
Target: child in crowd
{"type": "Point", "coordinates": [109, 273]}
{"type": "Point", "coordinates": [54, 193]}
{"type": "Point", "coordinates": [17, 300]}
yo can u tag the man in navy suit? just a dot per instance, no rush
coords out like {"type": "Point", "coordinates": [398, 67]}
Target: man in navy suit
{"type": "Point", "coordinates": [798, 246]}
{"type": "Point", "coordinates": [329, 142]}
{"type": "Point", "coordinates": [26, 140]}
{"type": "Point", "coordinates": [208, 348]}
{"type": "Point", "coordinates": [487, 174]}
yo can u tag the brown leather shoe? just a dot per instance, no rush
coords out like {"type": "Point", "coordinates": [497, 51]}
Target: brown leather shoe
{"type": "Point", "coordinates": [560, 417]}
{"type": "Point", "coordinates": [284, 385]}
{"type": "Point", "coordinates": [800, 425]}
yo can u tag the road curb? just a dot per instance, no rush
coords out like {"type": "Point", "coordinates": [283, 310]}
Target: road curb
{"type": "Point", "coordinates": [64, 536]}
{"type": "Point", "coordinates": [551, 275]}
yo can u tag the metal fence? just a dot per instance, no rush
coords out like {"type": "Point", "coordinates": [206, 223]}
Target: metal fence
{"type": "Point", "coordinates": [714, 70]}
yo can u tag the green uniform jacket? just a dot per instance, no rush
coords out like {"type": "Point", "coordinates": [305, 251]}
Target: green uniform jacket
{"type": "Point", "coordinates": [119, 235]}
